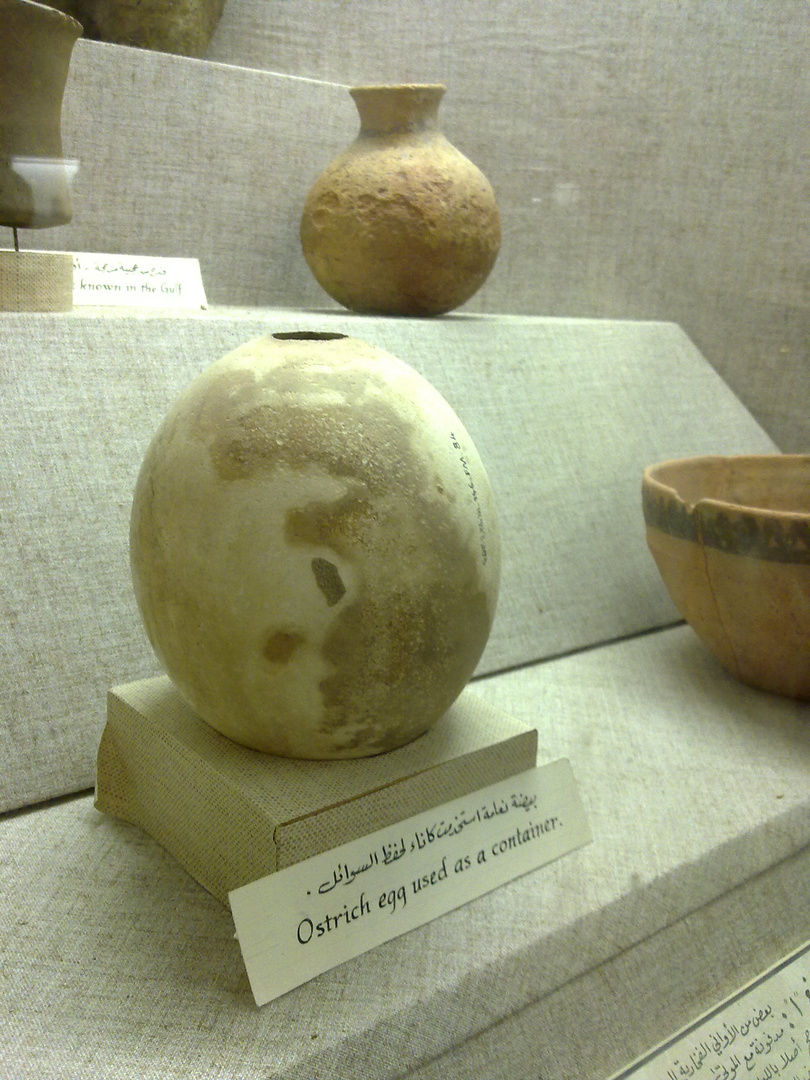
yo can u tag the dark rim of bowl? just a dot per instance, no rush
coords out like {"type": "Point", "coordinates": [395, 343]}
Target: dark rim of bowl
{"type": "Point", "coordinates": [769, 535]}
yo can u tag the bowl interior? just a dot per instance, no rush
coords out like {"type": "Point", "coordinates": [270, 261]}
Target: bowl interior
{"type": "Point", "coordinates": [775, 482]}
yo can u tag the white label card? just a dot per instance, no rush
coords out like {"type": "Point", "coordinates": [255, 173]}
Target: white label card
{"type": "Point", "coordinates": [310, 917]}
{"type": "Point", "coordinates": [137, 281]}
{"type": "Point", "coordinates": [761, 1032]}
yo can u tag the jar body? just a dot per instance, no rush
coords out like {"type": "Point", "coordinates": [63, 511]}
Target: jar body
{"type": "Point", "coordinates": [401, 222]}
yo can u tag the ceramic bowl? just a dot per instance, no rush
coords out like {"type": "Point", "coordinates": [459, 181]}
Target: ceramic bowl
{"type": "Point", "coordinates": [731, 539]}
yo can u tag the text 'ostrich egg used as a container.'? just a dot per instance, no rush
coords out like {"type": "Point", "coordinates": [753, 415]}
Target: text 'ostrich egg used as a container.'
{"type": "Point", "coordinates": [315, 548]}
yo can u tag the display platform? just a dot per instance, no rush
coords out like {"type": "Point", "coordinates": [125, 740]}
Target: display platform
{"type": "Point", "coordinates": [117, 964]}
{"type": "Point", "coordinates": [231, 815]}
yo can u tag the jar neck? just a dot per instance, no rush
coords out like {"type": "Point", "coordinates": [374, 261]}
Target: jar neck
{"type": "Point", "coordinates": [389, 110]}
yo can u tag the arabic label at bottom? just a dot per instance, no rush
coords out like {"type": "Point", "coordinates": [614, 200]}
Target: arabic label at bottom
{"type": "Point", "coordinates": [299, 922]}
{"type": "Point", "coordinates": [761, 1032]}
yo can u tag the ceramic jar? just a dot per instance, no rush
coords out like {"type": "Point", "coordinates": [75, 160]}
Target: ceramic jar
{"type": "Point", "coordinates": [401, 222]}
{"type": "Point", "coordinates": [184, 27]}
{"type": "Point", "coordinates": [36, 43]}
{"type": "Point", "coordinates": [315, 548]}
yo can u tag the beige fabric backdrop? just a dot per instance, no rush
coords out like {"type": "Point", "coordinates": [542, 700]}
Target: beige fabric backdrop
{"type": "Point", "coordinates": [565, 415]}
{"type": "Point", "coordinates": [651, 160]}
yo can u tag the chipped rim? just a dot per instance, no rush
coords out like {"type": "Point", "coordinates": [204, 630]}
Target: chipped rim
{"type": "Point", "coordinates": [781, 536]}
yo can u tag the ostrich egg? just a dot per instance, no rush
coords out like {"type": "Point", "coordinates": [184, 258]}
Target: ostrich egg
{"type": "Point", "coordinates": [315, 548]}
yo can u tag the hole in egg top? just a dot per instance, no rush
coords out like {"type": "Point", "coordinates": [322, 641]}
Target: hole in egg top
{"type": "Point", "coordinates": [315, 548]}
{"type": "Point", "coordinates": [307, 335]}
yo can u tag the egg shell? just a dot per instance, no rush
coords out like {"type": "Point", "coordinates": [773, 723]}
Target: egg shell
{"type": "Point", "coordinates": [315, 548]}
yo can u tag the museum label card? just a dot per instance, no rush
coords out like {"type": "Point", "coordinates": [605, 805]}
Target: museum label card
{"type": "Point", "coordinates": [762, 1032]}
{"type": "Point", "coordinates": [137, 281]}
{"type": "Point", "coordinates": [303, 920]}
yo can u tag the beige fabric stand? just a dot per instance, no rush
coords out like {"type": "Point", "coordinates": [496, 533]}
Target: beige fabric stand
{"type": "Point", "coordinates": [117, 964]}
{"type": "Point", "coordinates": [231, 815]}
{"type": "Point", "coordinates": [36, 281]}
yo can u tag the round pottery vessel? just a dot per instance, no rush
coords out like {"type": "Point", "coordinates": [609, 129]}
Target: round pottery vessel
{"type": "Point", "coordinates": [36, 43]}
{"type": "Point", "coordinates": [315, 548]}
{"type": "Point", "coordinates": [731, 539]}
{"type": "Point", "coordinates": [400, 223]}
{"type": "Point", "coordinates": [184, 27]}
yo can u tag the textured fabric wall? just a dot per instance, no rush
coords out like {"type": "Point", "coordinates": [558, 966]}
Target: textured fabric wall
{"type": "Point", "coordinates": [564, 414]}
{"type": "Point", "coordinates": [651, 160]}
{"type": "Point", "coordinates": [614, 195]}
{"type": "Point", "coordinates": [187, 158]}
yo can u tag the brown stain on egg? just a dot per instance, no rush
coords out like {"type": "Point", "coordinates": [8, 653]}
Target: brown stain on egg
{"type": "Point", "coordinates": [248, 431]}
{"type": "Point", "coordinates": [406, 645]}
{"type": "Point", "coordinates": [350, 518]}
{"type": "Point", "coordinates": [399, 662]}
{"type": "Point", "coordinates": [281, 645]}
{"type": "Point", "coordinates": [328, 579]}
{"type": "Point", "coordinates": [402, 651]}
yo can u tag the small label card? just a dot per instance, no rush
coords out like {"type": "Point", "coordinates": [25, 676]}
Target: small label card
{"type": "Point", "coordinates": [137, 281]}
{"type": "Point", "coordinates": [761, 1032]}
{"type": "Point", "coordinates": [310, 917]}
